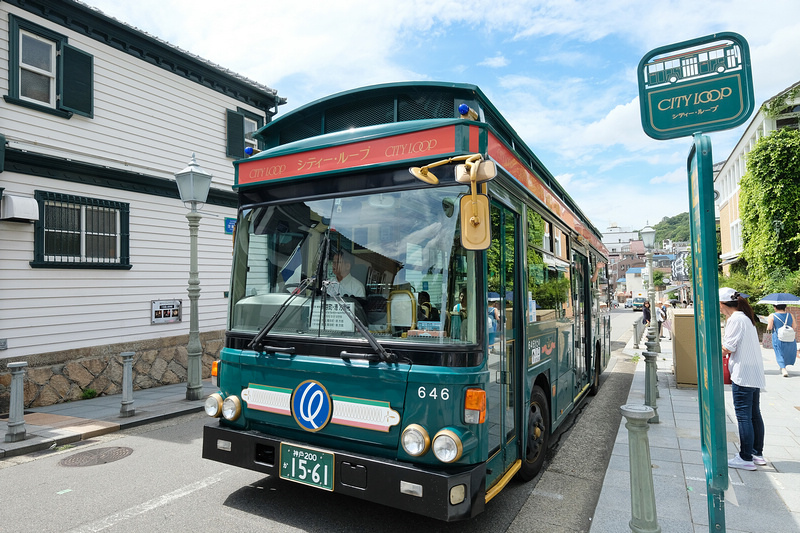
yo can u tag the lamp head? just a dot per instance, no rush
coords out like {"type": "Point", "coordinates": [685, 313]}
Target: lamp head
{"type": "Point", "coordinates": [648, 236]}
{"type": "Point", "coordinates": [193, 184]}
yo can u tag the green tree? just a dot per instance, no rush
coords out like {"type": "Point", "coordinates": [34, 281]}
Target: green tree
{"type": "Point", "coordinates": [768, 199]}
{"type": "Point", "coordinates": [658, 279]}
{"type": "Point", "coordinates": [674, 228]}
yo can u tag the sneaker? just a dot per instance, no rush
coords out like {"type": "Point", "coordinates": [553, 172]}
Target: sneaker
{"type": "Point", "coordinates": [784, 372]}
{"type": "Point", "coordinates": [737, 462]}
{"type": "Point", "coordinates": [759, 460]}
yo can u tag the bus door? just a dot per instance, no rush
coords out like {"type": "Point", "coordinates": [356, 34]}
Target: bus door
{"type": "Point", "coordinates": [583, 350]}
{"type": "Point", "coordinates": [502, 389]}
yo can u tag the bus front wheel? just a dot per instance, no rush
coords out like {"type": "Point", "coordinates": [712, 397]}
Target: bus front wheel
{"type": "Point", "coordinates": [538, 435]}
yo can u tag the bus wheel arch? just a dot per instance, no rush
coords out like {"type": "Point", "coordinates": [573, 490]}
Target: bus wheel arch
{"type": "Point", "coordinates": [537, 437]}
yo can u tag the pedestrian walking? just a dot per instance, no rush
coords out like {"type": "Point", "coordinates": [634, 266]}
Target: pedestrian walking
{"type": "Point", "coordinates": [747, 376]}
{"type": "Point", "coordinates": [785, 351]}
{"type": "Point", "coordinates": [661, 316]}
{"type": "Point", "coordinates": [646, 313]}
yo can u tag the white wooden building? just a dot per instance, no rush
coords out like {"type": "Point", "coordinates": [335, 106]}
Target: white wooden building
{"type": "Point", "coordinates": [95, 120]}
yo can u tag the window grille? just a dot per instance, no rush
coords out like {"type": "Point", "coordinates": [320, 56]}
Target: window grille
{"type": "Point", "coordinates": [81, 232]}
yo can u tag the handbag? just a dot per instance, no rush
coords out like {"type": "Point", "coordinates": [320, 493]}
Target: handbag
{"type": "Point", "coordinates": [786, 333]}
{"type": "Point", "coordinates": [726, 373]}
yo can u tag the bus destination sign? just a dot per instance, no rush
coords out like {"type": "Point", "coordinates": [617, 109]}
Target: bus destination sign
{"type": "Point", "coordinates": [696, 86]}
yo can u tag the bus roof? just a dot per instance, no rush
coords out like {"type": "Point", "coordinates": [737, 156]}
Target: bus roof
{"type": "Point", "coordinates": [396, 108]}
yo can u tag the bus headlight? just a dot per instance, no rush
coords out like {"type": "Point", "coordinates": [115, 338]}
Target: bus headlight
{"type": "Point", "coordinates": [213, 405]}
{"type": "Point", "coordinates": [231, 408]}
{"type": "Point", "coordinates": [447, 446]}
{"type": "Point", "coordinates": [415, 440]}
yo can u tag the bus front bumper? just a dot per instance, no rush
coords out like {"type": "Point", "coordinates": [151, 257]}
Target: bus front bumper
{"type": "Point", "coordinates": [369, 478]}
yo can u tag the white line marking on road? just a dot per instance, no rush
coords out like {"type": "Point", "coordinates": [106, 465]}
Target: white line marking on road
{"type": "Point", "coordinates": [148, 506]}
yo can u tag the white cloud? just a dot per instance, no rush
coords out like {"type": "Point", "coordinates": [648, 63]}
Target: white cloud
{"type": "Point", "coordinates": [494, 62]}
{"type": "Point", "coordinates": [676, 176]}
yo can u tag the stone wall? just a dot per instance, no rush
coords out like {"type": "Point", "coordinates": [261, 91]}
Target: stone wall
{"type": "Point", "coordinates": [59, 377]}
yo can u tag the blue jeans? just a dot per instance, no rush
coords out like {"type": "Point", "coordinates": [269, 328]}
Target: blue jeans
{"type": "Point", "coordinates": [751, 425]}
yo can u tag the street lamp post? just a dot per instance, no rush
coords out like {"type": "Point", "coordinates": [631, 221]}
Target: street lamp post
{"type": "Point", "coordinates": [193, 185]}
{"type": "Point", "coordinates": [651, 389]}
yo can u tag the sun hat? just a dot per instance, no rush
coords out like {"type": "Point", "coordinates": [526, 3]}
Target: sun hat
{"type": "Point", "coordinates": [726, 294]}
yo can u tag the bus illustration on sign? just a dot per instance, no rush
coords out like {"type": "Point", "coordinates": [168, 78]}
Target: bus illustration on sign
{"type": "Point", "coordinates": [695, 64]}
{"type": "Point", "coordinates": [373, 229]}
{"type": "Point", "coordinates": [696, 86]}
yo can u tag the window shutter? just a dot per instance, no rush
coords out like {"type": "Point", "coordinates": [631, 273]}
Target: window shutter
{"type": "Point", "coordinates": [235, 145]}
{"type": "Point", "coordinates": [76, 83]}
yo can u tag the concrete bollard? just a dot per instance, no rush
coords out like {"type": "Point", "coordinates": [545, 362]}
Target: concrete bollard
{"type": "Point", "coordinates": [127, 409]}
{"type": "Point", "coordinates": [643, 497]}
{"type": "Point", "coordinates": [651, 377]}
{"type": "Point", "coordinates": [16, 412]}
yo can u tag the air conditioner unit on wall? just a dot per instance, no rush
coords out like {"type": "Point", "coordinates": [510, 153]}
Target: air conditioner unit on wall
{"type": "Point", "coordinates": [19, 208]}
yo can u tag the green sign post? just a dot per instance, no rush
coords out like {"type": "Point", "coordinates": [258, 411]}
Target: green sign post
{"type": "Point", "coordinates": [689, 88]}
{"type": "Point", "coordinates": [707, 328]}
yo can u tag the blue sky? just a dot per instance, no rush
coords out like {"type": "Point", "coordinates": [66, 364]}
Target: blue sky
{"type": "Point", "coordinates": [563, 72]}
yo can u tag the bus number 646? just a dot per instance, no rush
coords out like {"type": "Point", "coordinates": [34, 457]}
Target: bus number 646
{"type": "Point", "coordinates": [444, 394]}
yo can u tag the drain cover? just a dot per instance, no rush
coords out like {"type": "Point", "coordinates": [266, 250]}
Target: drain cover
{"type": "Point", "coordinates": [96, 457]}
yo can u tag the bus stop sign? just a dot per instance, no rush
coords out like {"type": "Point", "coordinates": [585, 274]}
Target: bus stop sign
{"type": "Point", "coordinates": [696, 86]}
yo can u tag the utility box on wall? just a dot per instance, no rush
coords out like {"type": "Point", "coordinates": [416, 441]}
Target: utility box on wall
{"type": "Point", "coordinates": [18, 208]}
{"type": "Point", "coordinates": [684, 349]}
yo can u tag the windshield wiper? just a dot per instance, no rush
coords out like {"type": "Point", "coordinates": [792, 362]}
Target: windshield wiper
{"type": "Point", "coordinates": [257, 342]}
{"type": "Point", "coordinates": [381, 352]}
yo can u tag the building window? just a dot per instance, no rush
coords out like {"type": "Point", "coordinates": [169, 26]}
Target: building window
{"type": "Point", "coordinates": [547, 243]}
{"type": "Point", "coordinates": [37, 69]}
{"type": "Point", "coordinates": [241, 126]}
{"type": "Point", "coordinates": [46, 73]}
{"type": "Point", "coordinates": [77, 232]}
{"type": "Point", "coordinates": [736, 236]}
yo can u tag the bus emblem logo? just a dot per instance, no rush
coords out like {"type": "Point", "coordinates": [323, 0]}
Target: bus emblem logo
{"type": "Point", "coordinates": [311, 406]}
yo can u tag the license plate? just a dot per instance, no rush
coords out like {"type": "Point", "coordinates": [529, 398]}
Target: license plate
{"type": "Point", "coordinates": [307, 465]}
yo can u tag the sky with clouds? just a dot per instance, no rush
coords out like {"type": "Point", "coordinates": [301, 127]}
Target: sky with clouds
{"type": "Point", "coordinates": [562, 72]}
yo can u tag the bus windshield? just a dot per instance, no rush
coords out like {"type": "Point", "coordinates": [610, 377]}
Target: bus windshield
{"type": "Point", "coordinates": [395, 258]}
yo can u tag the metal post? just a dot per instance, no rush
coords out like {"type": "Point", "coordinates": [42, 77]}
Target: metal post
{"type": "Point", "coordinates": [644, 518]}
{"type": "Point", "coordinates": [127, 409]}
{"type": "Point", "coordinates": [653, 345]}
{"type": "Point", "coordinates": [194, 387]}
{"type": "Point", "coordinates": [16, 413]}
{"type": "Point", "coordinates": [651, 372]}
{"type": "Point", "coordinates": [651, 297]}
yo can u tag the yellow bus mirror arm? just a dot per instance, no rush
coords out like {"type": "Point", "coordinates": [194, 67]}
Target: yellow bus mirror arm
{"type": "Point", "coordinates": [475, 219]}
{"type": "Point", "coordinates": [423, 173]}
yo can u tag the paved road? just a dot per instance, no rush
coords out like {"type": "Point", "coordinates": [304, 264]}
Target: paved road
{"type": "Point", "coordinates": [164, 485]}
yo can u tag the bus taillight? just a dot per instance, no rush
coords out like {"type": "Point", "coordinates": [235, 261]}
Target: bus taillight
{"type": "Point", "coordinates": [475, 406]}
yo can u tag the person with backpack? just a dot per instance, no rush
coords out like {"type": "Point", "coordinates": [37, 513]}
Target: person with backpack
{"type": "Point", "coordinates": [785, 350]}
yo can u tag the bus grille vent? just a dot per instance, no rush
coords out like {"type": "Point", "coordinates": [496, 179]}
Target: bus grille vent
{"type": "Point", "coordinates": [360, 114]}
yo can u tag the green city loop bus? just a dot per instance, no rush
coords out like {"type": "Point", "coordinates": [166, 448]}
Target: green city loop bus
{"type": "Point", "coordinates": [415, 303]}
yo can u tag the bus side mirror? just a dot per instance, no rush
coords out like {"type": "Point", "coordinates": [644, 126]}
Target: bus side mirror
{"type": "Point", "coordinates": [476, 231]}
{"type": "Point", "coordinates": [475, 222]}
{"type": "Point", "coordinates": [486, 171]}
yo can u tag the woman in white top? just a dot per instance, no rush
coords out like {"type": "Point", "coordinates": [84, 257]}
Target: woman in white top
{"type": "Point", "coordinates": [747, 376]}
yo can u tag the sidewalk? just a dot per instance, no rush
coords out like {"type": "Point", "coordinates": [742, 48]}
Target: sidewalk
{"type": "Point", "coordinates": [767, 500]}
{"type": "Point", "coordinates": [64, 423]}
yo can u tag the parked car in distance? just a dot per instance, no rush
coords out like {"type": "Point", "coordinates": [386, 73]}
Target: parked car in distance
{"type": "Point", "coordinates": [628, 303]}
